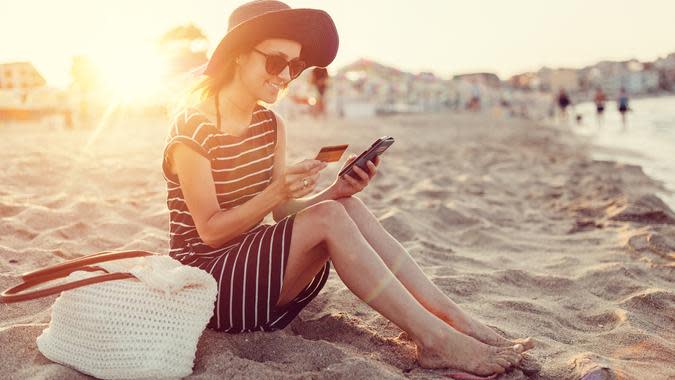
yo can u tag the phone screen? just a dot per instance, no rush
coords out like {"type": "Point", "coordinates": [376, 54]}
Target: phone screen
{"type": "Point", "coordinates": [378, 147]}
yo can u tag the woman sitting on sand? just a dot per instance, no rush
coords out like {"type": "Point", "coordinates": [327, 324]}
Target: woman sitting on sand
{"type": "Point", "coordinates": [225, 168]}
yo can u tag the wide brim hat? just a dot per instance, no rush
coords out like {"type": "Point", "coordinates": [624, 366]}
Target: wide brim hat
{"type": "Point", "coordinates": [255, 21]}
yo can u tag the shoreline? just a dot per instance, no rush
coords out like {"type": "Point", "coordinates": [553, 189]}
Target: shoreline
{"type": "Point", "coordinates": [513, 220]}
{"type": "Point", "coordinates": [640, 144]}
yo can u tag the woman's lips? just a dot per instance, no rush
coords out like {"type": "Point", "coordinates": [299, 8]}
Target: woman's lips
{"type": "Point", "coordinates": [274, 86]}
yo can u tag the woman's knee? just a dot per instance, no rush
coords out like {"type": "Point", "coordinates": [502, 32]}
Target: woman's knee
{"type": "Point", "coordinates": [351, 202]}
{"type": "Point", "coordinates": [326, 213]}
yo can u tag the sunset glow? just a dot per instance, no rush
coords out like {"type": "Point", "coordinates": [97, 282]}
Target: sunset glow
{"type": "Point", "coordinates": [132, 78]}
{"type": "Point", "coordinates": [443, 37]}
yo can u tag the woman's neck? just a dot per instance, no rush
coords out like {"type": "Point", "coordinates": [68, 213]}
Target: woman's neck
{"type": "Point", "coordinates": [235, 104]}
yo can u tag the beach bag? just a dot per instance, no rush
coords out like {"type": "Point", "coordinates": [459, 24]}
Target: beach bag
{"type": "Point", "coordinates": [133, 314]}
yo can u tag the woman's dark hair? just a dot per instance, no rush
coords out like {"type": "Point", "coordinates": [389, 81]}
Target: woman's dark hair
{"type": "Point", "coordinates": [196, 90]}
{"type": "Point", "coordinates": [207, 86]}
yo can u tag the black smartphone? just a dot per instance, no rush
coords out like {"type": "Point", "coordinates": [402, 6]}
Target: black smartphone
{"type": "Point", "coordinates": [378, 147]}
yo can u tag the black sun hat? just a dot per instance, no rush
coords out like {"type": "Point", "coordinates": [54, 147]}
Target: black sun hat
{"type": "Point", "coordinates": [258, 20]}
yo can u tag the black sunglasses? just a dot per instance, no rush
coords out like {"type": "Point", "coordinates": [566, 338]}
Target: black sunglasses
{"type": "Point", "coordinates": [275, 64]}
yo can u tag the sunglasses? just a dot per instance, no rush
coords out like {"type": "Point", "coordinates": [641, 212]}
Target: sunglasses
{"type": "Point", "coordinates": [275, 64]}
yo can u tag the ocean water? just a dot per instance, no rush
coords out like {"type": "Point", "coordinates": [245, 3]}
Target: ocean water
{"type": "Point", "coordinates": [647, 140]}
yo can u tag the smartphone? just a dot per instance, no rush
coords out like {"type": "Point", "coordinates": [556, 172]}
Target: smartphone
{"type": "Point", "coordinates": [331, 153]}
{"type": "Point", "coordinates": [378, 147]}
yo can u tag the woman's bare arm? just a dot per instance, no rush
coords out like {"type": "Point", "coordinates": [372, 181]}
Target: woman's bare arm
{"type": "Point", "coordinates": [215, 226]}
{"type": "Point", "coordinates": [292, 205]}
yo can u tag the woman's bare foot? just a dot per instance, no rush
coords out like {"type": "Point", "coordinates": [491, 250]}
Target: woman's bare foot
{"type": "Point", "coordinates": [487, 335]}
{"type": "Point", "coordinates": [459, 351]}
{"type": "Point", "coordinates": [464, 323]}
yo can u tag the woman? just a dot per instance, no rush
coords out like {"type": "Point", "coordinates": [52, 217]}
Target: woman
{"type": "Point", "coordinates": [225, 167]}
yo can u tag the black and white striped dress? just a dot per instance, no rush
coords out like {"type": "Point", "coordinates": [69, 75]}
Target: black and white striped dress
{"type": "Point", "coordinates": [249, 268]}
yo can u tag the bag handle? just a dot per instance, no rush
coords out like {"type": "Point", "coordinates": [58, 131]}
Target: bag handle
{"type": "Point", "coordinates": [40, 276]}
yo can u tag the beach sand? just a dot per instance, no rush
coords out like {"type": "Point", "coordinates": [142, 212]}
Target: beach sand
{"type": "Point", "coordinates": [509, 218]}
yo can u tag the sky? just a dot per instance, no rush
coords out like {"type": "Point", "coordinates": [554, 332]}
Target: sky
{"type": "Point", "coordinates": [445, 37]}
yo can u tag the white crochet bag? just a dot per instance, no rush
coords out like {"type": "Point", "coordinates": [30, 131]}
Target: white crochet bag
{"type": "Point", "coordinates": [145, 326]}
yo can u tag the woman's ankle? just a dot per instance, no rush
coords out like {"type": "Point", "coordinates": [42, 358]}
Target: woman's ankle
{"type": "Point", "coordinates": [456, 317]}
{"type": "Point", "coordinates": [431, 336]}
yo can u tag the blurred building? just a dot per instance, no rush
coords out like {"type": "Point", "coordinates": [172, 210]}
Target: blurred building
{"type": "Point", "coordinates": [554, 79]}
{"type": "Point", "coordinates": [525, 81]}
{"type": "Point", "coordinates": [429, 92]}
{"type": "Point", "coordinates": [666, 69]}
{"type": "Point", "coordinates": [485, 79]}
{"type": "Point", "coordinates": [634, 76]}
{"type": "Point", "coordinates": [24, 94]}
{"type": "Point", "coordinates": [19, 75]}
{"type": "Point", "coordinates": [366, 88]}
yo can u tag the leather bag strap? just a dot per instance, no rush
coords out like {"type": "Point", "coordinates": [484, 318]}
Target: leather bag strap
{"type": "Point", "coordinates": [31, 279]}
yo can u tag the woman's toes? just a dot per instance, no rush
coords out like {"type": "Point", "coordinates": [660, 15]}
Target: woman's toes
{"type": "Point", "coordinates": [528, 343]}
{"type": "Point", "coordinates": [503, 363]}
{"type": "Point", "coordinates": [498, 368]}
{"type": "Point", "coordinates": [512, 357]}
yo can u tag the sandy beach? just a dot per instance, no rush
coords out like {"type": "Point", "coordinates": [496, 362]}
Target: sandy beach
{"type": "Point", "coordinates": [512, 219]}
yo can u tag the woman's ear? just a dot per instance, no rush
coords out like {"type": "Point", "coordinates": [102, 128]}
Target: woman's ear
{"type": "Point", "coordinates": [242, 58]}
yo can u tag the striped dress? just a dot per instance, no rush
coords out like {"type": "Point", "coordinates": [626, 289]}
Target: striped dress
{"type": "Point", "coordinates": [249, 269]}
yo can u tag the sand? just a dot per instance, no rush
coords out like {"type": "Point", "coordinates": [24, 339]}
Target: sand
{"type": "Point", "coordinates": [511, 219]}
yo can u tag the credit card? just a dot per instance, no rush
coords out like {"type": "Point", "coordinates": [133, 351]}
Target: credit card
{"type": "Point", "coordinates": [331, 153]}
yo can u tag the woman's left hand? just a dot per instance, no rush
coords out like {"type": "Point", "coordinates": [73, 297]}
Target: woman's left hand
{"type": "Point", "coordinates": [347, 185]}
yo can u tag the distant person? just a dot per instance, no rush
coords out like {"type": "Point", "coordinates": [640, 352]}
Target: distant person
{"type": "Point", "coordinates": [320, 81]}
{"type": "Point", "coordinates": [563, 103]}
{"type": "Point", "coordinates": [622, 104]}
{"type": "Point", "coordinates": [600, 98]}
{"type": "Point", "coordinates": [474, 102]}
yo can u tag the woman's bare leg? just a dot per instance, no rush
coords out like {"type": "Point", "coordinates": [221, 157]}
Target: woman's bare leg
{"type": "Point", "coordinates": [295, 280]}
{"type": "Point", "coordinates": [413, 278]}
{"type": "Point", "coordinates": [367, 276]}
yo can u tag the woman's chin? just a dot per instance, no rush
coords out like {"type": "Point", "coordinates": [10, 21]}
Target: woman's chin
{"type": "Point", "coordinates": [268, 98]}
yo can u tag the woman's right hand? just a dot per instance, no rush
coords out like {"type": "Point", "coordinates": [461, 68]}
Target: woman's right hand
{"type": "Point", "coordinates": [292, 181]}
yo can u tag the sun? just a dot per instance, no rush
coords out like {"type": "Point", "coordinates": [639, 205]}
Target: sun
{"type": "Point", "coordinates": [134, 75]}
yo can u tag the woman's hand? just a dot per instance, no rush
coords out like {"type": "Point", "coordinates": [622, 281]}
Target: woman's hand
{"type": "Point", "coordinates": [300, 179]}
{"type": "Point", "coordinates": [347, 185]}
